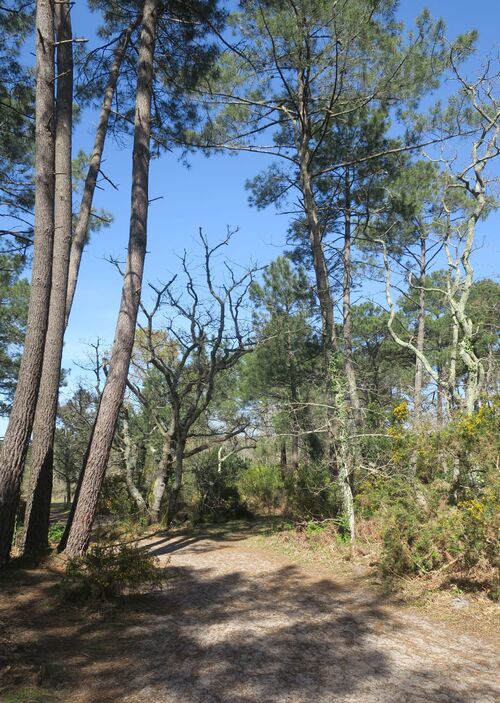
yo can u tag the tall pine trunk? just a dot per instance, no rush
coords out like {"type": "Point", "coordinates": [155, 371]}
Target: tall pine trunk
{"type": "Point", "coordinates": [114, 388]}
{"type": "Point", "coordinates": [352, 385]}
{"type": "Point", "coordinates": [324, 293]}
{"type": "Point", "coordinates": [40, 485]}
{"type": "Point", "coordinates": [17, 435]}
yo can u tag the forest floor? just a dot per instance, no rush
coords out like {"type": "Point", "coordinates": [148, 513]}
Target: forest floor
{"type": "Point", "coordinates": [237, 621]}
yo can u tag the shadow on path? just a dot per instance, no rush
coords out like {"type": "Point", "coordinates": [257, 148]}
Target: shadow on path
{"type": "Point", "coordinates": [259, 633]}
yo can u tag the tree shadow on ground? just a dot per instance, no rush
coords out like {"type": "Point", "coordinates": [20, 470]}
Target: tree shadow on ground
{"type": "Point", "coordinates": [212, 637]}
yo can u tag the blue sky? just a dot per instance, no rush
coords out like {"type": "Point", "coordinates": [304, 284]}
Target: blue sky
{"type": "Point", "coordinates": [210, 194]}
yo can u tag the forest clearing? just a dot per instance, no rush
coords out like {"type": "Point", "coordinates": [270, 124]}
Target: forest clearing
{"type": "Point", "coordinates": [249, 339]}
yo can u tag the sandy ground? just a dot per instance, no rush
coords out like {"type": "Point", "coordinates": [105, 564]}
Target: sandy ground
{"type": "Point", "coordinates": [238, 624]}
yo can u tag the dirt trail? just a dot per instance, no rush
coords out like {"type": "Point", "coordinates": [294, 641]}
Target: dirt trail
{"type": "Point", "coordinates": [237, 624]}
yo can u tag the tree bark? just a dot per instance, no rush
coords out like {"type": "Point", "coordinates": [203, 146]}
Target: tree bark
{"type": "Point", "coordinates": [68, 492]}
{"type": "Point", "coordinates": [82, 224]}
{"type": "Point", "coordinates": [352, 385]}
{"type": "Point", "coordinates": [164, 472]}
{"type": "Point", "coordinates": [439, 399]}
{"type": "Point", "coordinates": [40, 485]}
{"type": "Point", "coordinates": [130, 464]}
{"type": "Point", "coordinates": [324, 293]}
{"type": "Point", "coordinates": [283, 458]}
{"type": "Point", "coordinates": [173, 496]}
{"type": "Point", "coordinates": [294, 398]}
{"type": "Point", "coordinates": [419, 367]}
{"type": "Point", "coordinates": [17, 435]}
{"type": "Point", "coordinates": [114, 388]}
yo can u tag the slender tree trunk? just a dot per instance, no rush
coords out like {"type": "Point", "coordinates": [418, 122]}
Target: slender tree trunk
{"type": "Point", "coordinates": [114, 388]}
{"type": "Point", "coordinates": [294, 397]}
{"type": "Point", "coordinates": [419, 367]}
{"type": "Point", "coordinates": [130, 462]}
{"type": "Point", "coordinates": [165, 470]}
{"type": "Point", "coordinates": [283, 459]}
{"type": "Point", "coordinates": [439, 399]}
{"type": "Point", "coordinates": [68, 492]}
{"type": "Point", "coordinates": [40, 485]}
{"type": "Point", "coordinates": [352, 385]}
{"type": "Point", "coordinates": [324, 293]}
{"type": "Point", "coordinates": [17, 435]}
{"type": "Point", "coordinates": [173, 496]}
{"type": "Point", "coordinates": [323, 290]}
{"type": "Point", "coordinates": [82, 224]}
{"type": "Point", "coordinates": [452, 374]}
{"type": "Point", "coordinates": [294, 451]}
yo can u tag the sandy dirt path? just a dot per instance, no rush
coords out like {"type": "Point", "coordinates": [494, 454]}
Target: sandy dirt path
{"type": "Point", "coordinates": [238, 624]}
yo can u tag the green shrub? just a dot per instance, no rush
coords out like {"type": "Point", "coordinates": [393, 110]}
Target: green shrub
{"type": "Point", "coordinates": [216, 496]}
{"type": "Point", "coordinates": [424, 531]}
{"type": "Point", "coordinates": [114, 499]}
{"type": "Point", "coordinates": [481, 527]}
{"type": "Point", "coordinates": [56, 531]}
{"type": "Point", "coordinates": [262, 486]}
{"type": "Point", "coordinates": [313, 528]}
{"type": "Point", "coordinates": [313, 493]}
{"type": "Point", "coordinates": [107, 571]}
{"type": "Point", "coordinates": [416, 541]}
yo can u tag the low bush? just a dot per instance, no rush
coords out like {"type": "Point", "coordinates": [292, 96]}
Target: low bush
{"type": "Point", "coordinates": [56, 531]}
{"type": "Point", "coordinates": [114, 500]}
{"type": "Point", "coordinates": [424, 532]}
{"type": "Point", "coordinates": [107, 571]}
{"type": "Point", "coordinates": [262, 486]}
{"type": "Point", "coordinates": [312, 494]}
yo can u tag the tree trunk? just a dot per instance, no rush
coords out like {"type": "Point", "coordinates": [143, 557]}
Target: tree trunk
{"type": "Point", "coordinates": [452, 373]}
{"type": "Point", "coordinates": [283, 459]}
{"type": "Point", "coordinates": [419, 367]}
{"type": "Point", "coordinates": [17, 435]}
{"type": "Point", "coordinates": [294, 452]}
{"type": "Point", "coordinates": [82, 224]}
{"type": "Point", "coordinates": [294, 398]}
{"type": "Point", "coordinates": [130, 463]}
{"type": "Point", "coordinates": [323, 291]}
{"type": "Point", "coordinates": [173, 496]}
{"type": "Point", "coordinates": [114, 388]}
{"type": "Point", "coordinates": [352, 385]}
{"type": "Point", "coordinates": [161, 481]}
{"type": "Point", "coordinates": [68, 492]}
{"type": "Point", "coordinates": [439, 399]}
{"type": "Point", "coordinates": [40, 485]}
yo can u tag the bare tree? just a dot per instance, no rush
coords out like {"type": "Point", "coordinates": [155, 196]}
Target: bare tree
{"type": "Point", "coordinates": [206, 339]}
{"type": "Point", "coordinates": [18, 432]}
{"type": "Point", "coordinates": [472, 182]}
{"type": "Point", "coordinates": [467, 195]}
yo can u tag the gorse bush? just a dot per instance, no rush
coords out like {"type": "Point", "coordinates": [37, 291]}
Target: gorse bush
{"type": "Point", "coordinates": [424, 532]}
{"type": "Point", "coordinates": [107, 571]}
{"type": "Point", "coordinates": [417, 540]}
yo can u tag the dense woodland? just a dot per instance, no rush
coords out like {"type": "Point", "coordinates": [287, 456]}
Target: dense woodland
{"type": "Point", "coordinates": [349, 385]}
